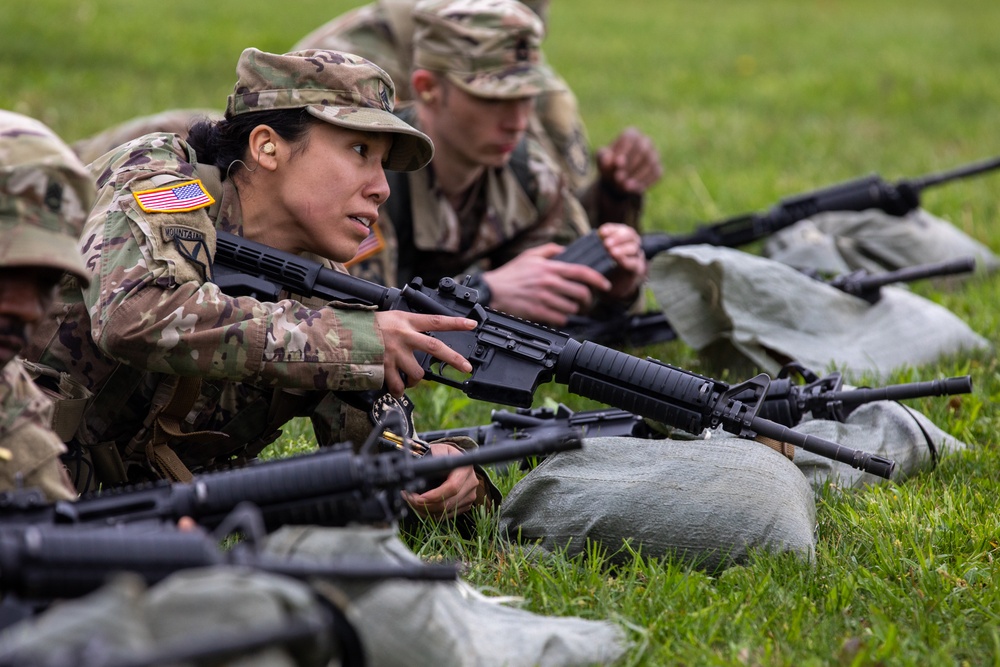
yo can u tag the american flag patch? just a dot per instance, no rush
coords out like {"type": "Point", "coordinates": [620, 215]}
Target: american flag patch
{"type": "Point", "coordinates": [370, 246]}
{"type": "Point", "coordinates": [187, 196]}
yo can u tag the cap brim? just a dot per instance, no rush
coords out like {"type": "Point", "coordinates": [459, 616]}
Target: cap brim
{"type": "Point", "coordinates": [508, 83]}
{"type": "Point", "coordinates": [411, 148]}
{"type": "Point", "coordinates": [30, 246]}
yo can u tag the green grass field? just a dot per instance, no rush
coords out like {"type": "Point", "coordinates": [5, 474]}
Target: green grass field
{"type": "Point", "coordinates": [748, 102]}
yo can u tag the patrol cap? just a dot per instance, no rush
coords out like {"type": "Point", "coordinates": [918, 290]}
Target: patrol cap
{"type": "Point", "coordinates": [540, 7]}
{"type": "Point", "coordinates": [45, 196]}
{"type": "Point", "coordinates": [340, 88]}
{"type": "Point", "coordinates": [488, 48]}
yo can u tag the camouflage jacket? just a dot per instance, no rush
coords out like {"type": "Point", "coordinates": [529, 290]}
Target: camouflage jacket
{"type": "Point", "coordinates": [501, 219]}
{"type": "Point", "coordinates": [383, 33]}
{"type": "Point", "coordinates": [152, 317]}
{"type": "Point", "coordinates": [29, 450]}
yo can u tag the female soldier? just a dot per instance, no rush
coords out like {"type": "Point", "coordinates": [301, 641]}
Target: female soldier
{"type": "Point", "coordinates": [185, 378]}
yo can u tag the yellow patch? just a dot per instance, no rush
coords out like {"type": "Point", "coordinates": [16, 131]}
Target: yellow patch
{"type": "Point", "coordinates": [178, 198]}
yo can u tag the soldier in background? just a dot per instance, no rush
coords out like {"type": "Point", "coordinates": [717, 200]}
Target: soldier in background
{"type": "Point", "coordinates": [611, 186]}
{"type": "Point", "coordinates": [491, 203]}
{"type": "Point", "coordinates": [45, 194]}
{"type": "Point", "coordinates": [176, 121]}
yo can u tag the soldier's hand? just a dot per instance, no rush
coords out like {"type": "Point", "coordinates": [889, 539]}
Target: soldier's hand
{"type": "Point", "coordinates": [455, 496]}
{"type": "Point", "coordinates": [631, 163]}
{"type": "Point", "coordinates": [625, 246]}
{"type": "Point", "coordinates": [404, 334]}
{"type": "Point", "coordinates": [538, 288]}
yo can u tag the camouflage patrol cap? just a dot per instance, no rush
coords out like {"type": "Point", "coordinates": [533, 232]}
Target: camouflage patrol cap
{"type": "Point", "coordinates": [540, 7]}
{"type": "Point", "coordinates": [45, 196]}
{"type": "Point", "coordinates": [340, 88]}
{"type": "Point", "coordinates": [488, 48]}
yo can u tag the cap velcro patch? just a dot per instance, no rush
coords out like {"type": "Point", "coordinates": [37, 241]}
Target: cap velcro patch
{"type": "Point", "coordinates": [187, 196]}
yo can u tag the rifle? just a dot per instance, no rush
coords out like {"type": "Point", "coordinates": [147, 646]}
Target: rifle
{"type": "Point", "coordinates": [868, 286]}
{"type": "Point", "coordinates": [530, 422]}
{"type": "Point", "coordinates": [652, 326]}
{"type": "Point", "coordinates": [824, 397]}
{"type": "Point", "coordinates": [331, 487]}
{"type": "Point", "coordinates": [869, 192]}
{"type": "Point", "coordinates": [621, 328]}
{"type": "Point", "coordinates": [510, 357]}
{"type": "Point", "coordinates": [42, 563]}
{"type": "Point", "coordinates": [46, 562]}
{"type": "Point", "coordinates": [785, 403]}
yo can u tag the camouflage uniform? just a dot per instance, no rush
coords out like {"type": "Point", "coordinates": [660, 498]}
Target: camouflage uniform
{"type": "Point", "coordinates": [383, 32]}
{"type": "Point", "coordinates": [125, 247]}
{"type": "Point", "coordinates": [177, 121]}
{"type": "Point", "coordinates": [45, 192]}
{"type": "Point", "coordinates": [167, 355]}
{"type": "Point", "coordinates": [509, 209]}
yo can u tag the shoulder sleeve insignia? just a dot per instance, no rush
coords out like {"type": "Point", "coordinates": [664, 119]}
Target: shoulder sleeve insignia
{"type": "Point", "coordinates": [187, 196]}
{"type": "Point", "coordinates": [371, 246]}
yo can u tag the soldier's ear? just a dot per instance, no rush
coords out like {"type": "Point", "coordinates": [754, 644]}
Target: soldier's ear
{"type": "Point", "coordinates": [264, 147]}
{"type": "Point", "coordinates": [425, 85]}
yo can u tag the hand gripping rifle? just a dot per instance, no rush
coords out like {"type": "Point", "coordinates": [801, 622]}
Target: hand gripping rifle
{"type": "Point", "coordinates": [332, 487]}
{"type": "Point", "coordinates": [861, 194]}
{"type": "Point", "coordinates": [510, 357]}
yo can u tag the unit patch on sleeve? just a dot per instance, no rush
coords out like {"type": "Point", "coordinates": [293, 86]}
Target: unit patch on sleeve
{"type": "Point", "coordinates": [188, 196]}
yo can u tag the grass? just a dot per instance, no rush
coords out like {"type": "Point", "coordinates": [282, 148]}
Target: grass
{"type": "Point", "coordinates": [748, 103]}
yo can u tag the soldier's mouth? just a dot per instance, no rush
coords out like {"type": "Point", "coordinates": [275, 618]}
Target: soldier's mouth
{"type": "Point", "coordinates": [367, 222]}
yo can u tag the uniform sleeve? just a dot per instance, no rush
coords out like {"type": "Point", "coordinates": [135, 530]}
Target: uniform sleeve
{"type": "Point", "coordinates": [152, 308]}
{"type": "Point", "coordinates": [29, 449]}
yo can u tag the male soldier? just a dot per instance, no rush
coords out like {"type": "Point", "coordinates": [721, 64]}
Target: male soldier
{"type": "Point", "coordinates": [491, 203]}
{"type": "Point", "coordinates": [45, 193]}
{"type": "Point", "coordinates": [611, 189]}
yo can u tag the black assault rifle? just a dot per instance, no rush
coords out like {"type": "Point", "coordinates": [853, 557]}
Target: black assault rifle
{"type": "Point", "coordinates": [511, 357]}
{"type": "Point", "coordinates": [652, 326]}
{"type": "Point", "coordinates": [332, 487]}
{"type": "Point", "coordinates": [43, 563]}
{"type": "Point", "coordinates": [786, 402]}
{"type": "Point", "coordinates": [869, 192]}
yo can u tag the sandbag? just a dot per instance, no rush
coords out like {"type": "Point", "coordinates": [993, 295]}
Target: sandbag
{"type": "Point", "coordinates": [126, 621]}
{"type": "Point", "coordinates": [744, 312]}
{"type": "Point", "coordinates": [839, 242]}
{"type": "Point", "coordinates": [886, 428]}
{"type": "Point", "coordinates": [708, 502]}
{"type": "Point", "coordinates": [406, 623]}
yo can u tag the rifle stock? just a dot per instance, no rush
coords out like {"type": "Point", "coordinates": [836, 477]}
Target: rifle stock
{"type": "Point", "coordinates": [512, 357]}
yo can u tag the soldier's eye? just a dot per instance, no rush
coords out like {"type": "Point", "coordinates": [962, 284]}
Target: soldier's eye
{"type": "Point", "coordinates": [361, 149]}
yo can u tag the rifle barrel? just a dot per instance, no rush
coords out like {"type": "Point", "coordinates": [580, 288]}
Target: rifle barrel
{"type": "Point", "coordinates": [959, 172]}
{"type": "Point", "coordinates": [899, 392]}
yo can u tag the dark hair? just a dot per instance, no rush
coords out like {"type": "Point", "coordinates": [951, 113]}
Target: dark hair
{"type": "Point", "coordinates": [222, 143]}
